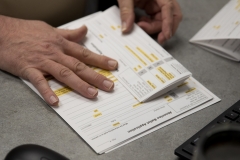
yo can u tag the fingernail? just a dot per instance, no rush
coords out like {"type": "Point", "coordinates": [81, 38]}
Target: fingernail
{"type": "Point", "coordinates": [112, 63]}
{"type": "Point", "coordinates": [108, 84]}
{"type": "Point", "coordinates": [124, 26]}
{"type": "Point", "coordinates": [92, 91]}
{"type": "Point", "coordinates": [53, 100]}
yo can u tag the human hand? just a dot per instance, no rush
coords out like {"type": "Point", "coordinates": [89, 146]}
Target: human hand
{"type": "Point", "coordinates": [163, 17]}
{"type": "Point", "coordinates": [33, 49]}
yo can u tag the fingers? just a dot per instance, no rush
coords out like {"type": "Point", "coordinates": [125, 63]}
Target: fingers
{"type": "Point", "coordinates": [167, 17]}
{"type": "Point", "coordinates": [40, 83]}
{"type": "Point", "coordinates": [88, 57]}
{"type": "Point", "coordinates": [87, 74]}
{"type": "Point", "coordinates": [171, 17]}
{"type": "Point", "coordinates": [68, 77]}
{"type": "Point", "coordinates": [75, 35]}
{"type": "Point", "coordinates": [127, 14]}
{"type": "Point", "coordinates": [151, 25]}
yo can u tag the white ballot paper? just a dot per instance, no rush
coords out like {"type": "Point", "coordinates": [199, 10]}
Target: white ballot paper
{"type": "Point", "coordinates": [145, 68]}
{"type": "Point", "coordinates": [221, 35]}
{"type": "Point", "coordinates": [119, 117]}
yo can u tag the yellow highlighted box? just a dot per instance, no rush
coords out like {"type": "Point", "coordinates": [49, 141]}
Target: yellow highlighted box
{"type": "Point", "coordinates": [217, 27]}
{"type": "Point", "coordinates": [137, 105]}
{"type": "Point", "coordinates": [238, 5]}
{"type": "Point", "coordinates": [185, 83]}
{"type": "Point", "coordinates": [113, 27]}
{"type": "Point", "coordinates": [153, 55]}
{"type": "Point", "coordinates": [62, 91]}
{"type": "Point", "coordinates": [168, 98]}
{"type": "Point", "coordinates": [152, 85]}
{"type": "Point", "coordinates": [116, 124]}
{"type": "Point", "coordinates": [159, 78]}
{"type": "Point", "coordinates": [101, 36]}
{"type": "Point", "coordinates": [105, 73]}
{"type": "Point", "coordinates": [137, 56]}
{"type": "Point", "coordinates": [145, 54]}
{"type": "Point", "coordinates": [190, 90]}
{"type": "Point", "coordinates": [169, 76]}
{"type": "Point", "coordinates": [97, 115]}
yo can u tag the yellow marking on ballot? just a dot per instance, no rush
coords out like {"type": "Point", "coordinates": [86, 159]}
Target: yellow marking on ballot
{"type": "Point", "coordinates": [237, 22]}
{"type": "Point", "coordinates": [185, 83]}
{"type": "Point", "coordinates": [62, 91]}
{"type": "Point", "coordinates": [101, 36]}
{"type": "Point", "coordinates": [159, 78]}
{"type": "Point", "coordinates": [169, 76]}
{"type": "Point", "coordinates": [113, 27]}
{"type": "Point", "coordinates": [96, 113]}
{"type": "Point", "coordinates": [152, 85]}
{"type": "Point", "coordinates": [114, 80]}
{"type": "Point", "coordinates": [137, 56]}
{"type": "Point", "coordinates": [155, 57]}
{"type": "Point", "coordinates": [105, 73]}
{"type": "Point", "coordinates": [190, 90]}
{"type": "Point", "coordinates": [168, 98]}
{"type": "Point", "coordinates": [116, 124]}
{"type": "Point", "coordinates": [137, 105]}
{"type": "Point", "coordinates": [118, 26]}
{"type": "Point", "coordinates": [139, 66]}
{"type": "Point", "coordinates": [135, 69]}
{"type": "Point", "coordinates": [111, 77]}
{"type": "Point", "coordinates": [145, 54]}
{"type": "Point", "coordinates": [237, 7]}
{"type": "Point", "coordinates": [217, 27]}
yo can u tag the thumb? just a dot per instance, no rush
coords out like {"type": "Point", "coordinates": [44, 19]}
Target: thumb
{"type": "Point", "coordinates": [75, 35]}
{"type": "Point", "coordinates": [127, 14]}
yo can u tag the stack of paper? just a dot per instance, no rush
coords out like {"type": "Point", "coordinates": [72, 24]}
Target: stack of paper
{"type": "Point", "coordinates": [145, 71]}
{"type": "Point", "coordinates": [221, 35]}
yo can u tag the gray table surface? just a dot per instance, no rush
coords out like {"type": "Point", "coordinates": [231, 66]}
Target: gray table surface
{"type": "Point", "coordinates": [25, 118]}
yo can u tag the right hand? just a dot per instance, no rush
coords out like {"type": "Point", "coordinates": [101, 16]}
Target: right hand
{"type": "Point", "coordinates": [163, 17]}
{"type": "Point", "coordinates": [33, 49]}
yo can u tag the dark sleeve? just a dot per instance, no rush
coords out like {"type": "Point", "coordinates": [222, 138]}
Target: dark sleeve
{"type": "Point", "coordinates": [105, 4]}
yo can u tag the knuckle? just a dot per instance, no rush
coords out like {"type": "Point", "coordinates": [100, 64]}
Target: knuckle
{"type": "Point", "coordinates": [125, 10]}
{"type": "Point", "coordinates": [44, 63]}
{"type": "Point", "coordinates": [85, 52]}
{"type": "Point", "coordinates": [79, 67]}
{"type": "Point", "coordinates": [98, 78]}
{"type": "Point", "coordinates": [65, 72]}
{"type": "Point", "coordinates": [48, 49]}
{"type": "Point", "coordinates": [59, 39]}
{"type": "Point", "coordinates": [39, 80]}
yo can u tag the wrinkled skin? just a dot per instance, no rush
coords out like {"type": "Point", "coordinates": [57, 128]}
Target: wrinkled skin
{"type": "Point", "coordinates": [163, 17]}
{"type": "Point", "coordinates": [33, 49]}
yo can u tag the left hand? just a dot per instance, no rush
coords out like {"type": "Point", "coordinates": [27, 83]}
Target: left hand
{"type": "Point", "coordinates": [163, 17]}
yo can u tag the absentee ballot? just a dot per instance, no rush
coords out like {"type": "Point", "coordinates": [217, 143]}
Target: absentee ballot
{"type": "Point", "coordinates": [145, 71]}
{"type": "Point", "coordinates": [145, 68]}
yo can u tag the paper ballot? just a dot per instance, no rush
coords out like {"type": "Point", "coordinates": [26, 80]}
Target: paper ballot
{"type": "Point", "coordinates": [114, 119]}
{"type": "Point", "coordinates": [221, 35]}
